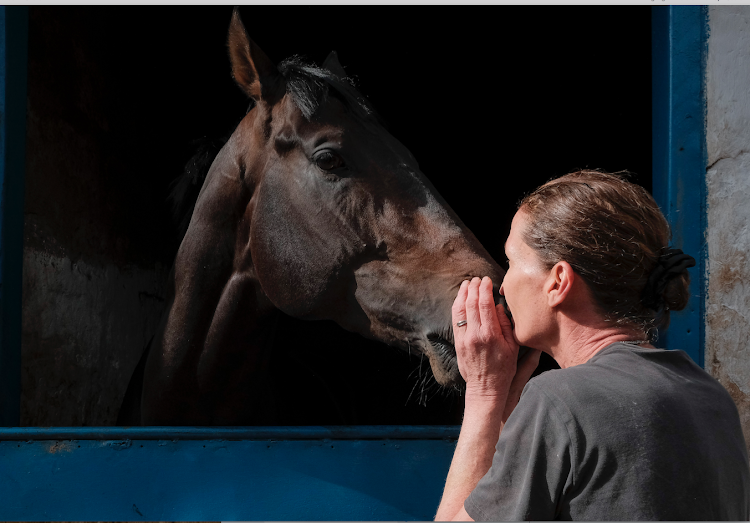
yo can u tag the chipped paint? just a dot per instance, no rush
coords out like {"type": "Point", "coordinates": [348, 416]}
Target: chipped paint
{"type": "Point", "coordinates": [728, 193]}
{"type": "Point", "coordinates": [54, 447]}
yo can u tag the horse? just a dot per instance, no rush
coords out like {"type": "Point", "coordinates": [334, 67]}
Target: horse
{"type": "Point", "coordinates": [311, 208]}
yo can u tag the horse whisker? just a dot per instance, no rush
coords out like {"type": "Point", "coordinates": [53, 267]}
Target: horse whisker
{"type": "Point", "coordinates": [412, 392]}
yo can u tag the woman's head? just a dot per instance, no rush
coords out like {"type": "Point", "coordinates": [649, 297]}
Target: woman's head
{"type": "Point", "coordinates": [612, 234]}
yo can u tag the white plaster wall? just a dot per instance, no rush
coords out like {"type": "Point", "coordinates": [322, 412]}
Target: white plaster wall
{"type": "Point", "coordinates": [84, 329]}
{"type": "Point", "coordinates": [728, 183]}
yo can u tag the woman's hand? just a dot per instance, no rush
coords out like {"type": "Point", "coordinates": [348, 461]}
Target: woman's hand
{"type": "Point", "coordinates": [485, 347]}
{"type": "Point", "coordinates": [487, 355]}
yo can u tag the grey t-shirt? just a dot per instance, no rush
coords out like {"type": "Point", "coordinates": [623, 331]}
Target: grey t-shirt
{"type": "Point", "coordinates": [632, 434]}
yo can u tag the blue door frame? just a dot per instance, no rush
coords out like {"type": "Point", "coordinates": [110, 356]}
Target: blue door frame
{"type": "Point", "coordinates": [301, 473]}
{"type": "Point", "coordinates": [679, 41]}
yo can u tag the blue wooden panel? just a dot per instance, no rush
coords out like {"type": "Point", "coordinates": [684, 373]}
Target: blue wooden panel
{"type": "Point", "coordinates": [13, 64]}
{"type": "Point", "coordinates": [350, 432]}
{"type": "Point", "coordinates": [679, 154]}
{"type": "Point", "coordinates": [283, 475]}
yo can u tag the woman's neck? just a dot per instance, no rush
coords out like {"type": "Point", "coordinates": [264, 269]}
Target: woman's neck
{"type": "Point", "coordinates": [579, 343]}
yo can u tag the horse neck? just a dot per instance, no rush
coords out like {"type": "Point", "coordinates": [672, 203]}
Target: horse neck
{"type": "Point", "coordinates": [219, 305]}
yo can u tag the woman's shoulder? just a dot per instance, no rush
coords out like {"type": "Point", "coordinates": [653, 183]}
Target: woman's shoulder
{"type": "Point", "coordinates": [645, 364]}
{"type": "Point", "coordinates": [622, 370]}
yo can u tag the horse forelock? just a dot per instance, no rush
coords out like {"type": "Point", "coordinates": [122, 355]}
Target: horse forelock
{"type": "Point", "coordinates": [309, 85]}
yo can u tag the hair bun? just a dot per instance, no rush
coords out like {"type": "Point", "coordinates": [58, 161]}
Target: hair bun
{"type": "Point", "coordinates": [677, 293]}
{"type": "Point", "coordinates": [664, 290]}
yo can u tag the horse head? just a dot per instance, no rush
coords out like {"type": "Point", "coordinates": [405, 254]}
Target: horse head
{"type": "Point", "coordinates": [343, 225]}
{"type": "Point", "coordinates": [312, 208]}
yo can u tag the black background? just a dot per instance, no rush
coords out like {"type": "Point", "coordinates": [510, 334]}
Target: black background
{"type": "Point", "coordinates": [491, 100]}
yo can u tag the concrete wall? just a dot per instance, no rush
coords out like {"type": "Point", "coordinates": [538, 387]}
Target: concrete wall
{"type": "Point", "coordinates": [728, 180]}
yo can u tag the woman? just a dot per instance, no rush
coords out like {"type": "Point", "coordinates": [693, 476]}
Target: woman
{"type": "Point", "coordinates": [623, 430]}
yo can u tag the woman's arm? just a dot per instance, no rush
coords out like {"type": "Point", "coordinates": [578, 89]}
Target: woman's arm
{"type": "Point", "coordinates": [487, 358]}
{"type": "Point", "coordinates": [472, 457]}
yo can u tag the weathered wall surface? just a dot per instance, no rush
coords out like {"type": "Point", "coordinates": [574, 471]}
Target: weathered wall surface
{"type": "Point", "coordinates": [84, 329]}
{"type": "Point", "coordinates": [95, 256]}
{"type": "Point", "coordinates": [728, 180]}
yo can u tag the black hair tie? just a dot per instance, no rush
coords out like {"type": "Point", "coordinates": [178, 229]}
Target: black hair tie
{"type": "Point", "coordinates": [670, 265]}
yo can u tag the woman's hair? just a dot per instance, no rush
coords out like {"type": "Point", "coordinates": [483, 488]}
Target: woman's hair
{"type": "Point", "coordinates": [613, 234]}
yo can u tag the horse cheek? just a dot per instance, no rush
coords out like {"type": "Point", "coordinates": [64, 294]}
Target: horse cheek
{"type": "Point", "coordinates": [296, 269]}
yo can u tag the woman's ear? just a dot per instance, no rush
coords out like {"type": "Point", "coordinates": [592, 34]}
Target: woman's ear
{"type": "Point", "coordinates": [560, 283]}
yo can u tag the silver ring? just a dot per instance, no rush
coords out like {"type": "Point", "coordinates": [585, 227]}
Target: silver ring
{"type": "Point", "coordinates": [461, 323]}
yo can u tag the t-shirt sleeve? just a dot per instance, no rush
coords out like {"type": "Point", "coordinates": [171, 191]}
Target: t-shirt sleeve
{"type": "Point", "coordinates": [531, 468]}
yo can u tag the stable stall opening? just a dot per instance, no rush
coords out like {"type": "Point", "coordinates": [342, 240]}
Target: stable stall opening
{"type": "Point", "coordinates": [492, 101]}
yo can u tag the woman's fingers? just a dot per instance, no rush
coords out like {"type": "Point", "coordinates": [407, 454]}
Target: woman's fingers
{"type": "Point", "coordinates": [459, 304]}
{"type": "Point", "coordinates": [477, 306]}
{"type": "Point", "coordinates": [494, 320]}
{"type": "Point", "coordinates": [505, 323]}
{"type": "Point", "coordinates": [486, 303]}
{"type": "Point", "coordinates": [458, 314]}
{"type": "Point", "coordinates": [472, 305]}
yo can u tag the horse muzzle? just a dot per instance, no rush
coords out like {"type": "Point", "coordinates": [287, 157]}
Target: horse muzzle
{"type": "Point", "coordinates": [442, 351]}
{"type": "Point", "coordinates": [442, 355]}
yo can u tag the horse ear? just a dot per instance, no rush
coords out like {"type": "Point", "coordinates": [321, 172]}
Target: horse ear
{"type": "Point", "coordinates": [332, 64]}
{"type": "Point", "coordinates": [253, 71]}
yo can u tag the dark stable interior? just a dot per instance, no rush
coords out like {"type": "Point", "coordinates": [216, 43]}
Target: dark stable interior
{"type": "Point", "coordinates": [491, 100]}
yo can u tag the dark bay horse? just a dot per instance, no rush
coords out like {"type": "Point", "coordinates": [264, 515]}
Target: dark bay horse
{"type": "Point", "coordinates": [311, 208]}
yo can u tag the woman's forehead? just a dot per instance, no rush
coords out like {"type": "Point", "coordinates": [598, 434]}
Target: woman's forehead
{"type": "Point", "coordinates": [517, 227]}
{"type": "Point", "coordinates": [516, 247]}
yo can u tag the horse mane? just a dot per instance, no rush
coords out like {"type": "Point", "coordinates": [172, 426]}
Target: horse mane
{"type": "Point", "coordinates": [184, 190]}
{"type": "Point", "coordinates": [308, 85]}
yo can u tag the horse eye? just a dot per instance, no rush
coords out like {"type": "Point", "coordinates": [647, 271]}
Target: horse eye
{"type": "Point", "coordinates": [328, 161]}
